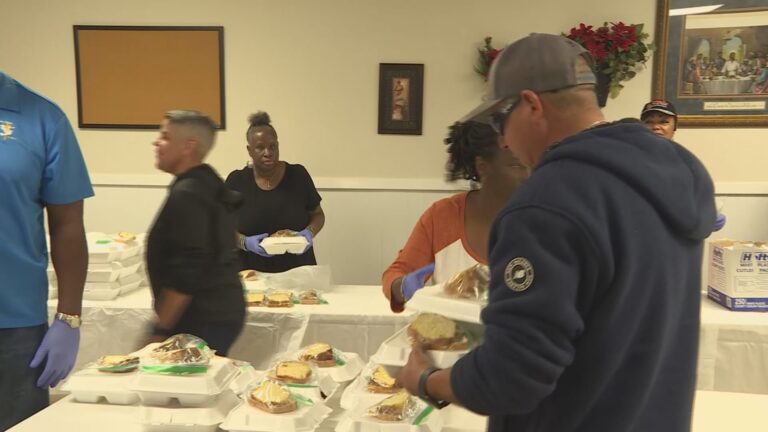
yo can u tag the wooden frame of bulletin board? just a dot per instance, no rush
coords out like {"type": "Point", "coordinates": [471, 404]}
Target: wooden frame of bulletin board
{"type": "Point", "coordinates": [129, 76]}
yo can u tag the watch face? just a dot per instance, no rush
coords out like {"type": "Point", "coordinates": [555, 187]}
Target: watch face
{"type": "Point", "coordinates": [71, 320]}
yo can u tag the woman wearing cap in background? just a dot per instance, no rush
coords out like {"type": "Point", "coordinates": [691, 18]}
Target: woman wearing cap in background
{"type": "Point", "coordinates": [452, 234]}
{"type": "Point", "coordinates": [660, 116]}
{"type": "Point", "coordinates": [277, 196]}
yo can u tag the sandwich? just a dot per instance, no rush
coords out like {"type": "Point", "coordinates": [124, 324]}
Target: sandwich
{"type": "Point", "coordinates": [254, 299]}
{"type": "Point", "coordinates": [249, 275]}
{"type": "Point", "coordinates": [191, 355]}
{"type": "Point", "coordinates": [309, 297]}
{"type": "Point", "coordinates": [381, 382]}
{"type": "Point", "coordinates": [272, 397]}
{"type": "Point", "coordinates": [296, 372]}
{"type": "Point", "coordinates": [117, 363]}
{"type": "Point", "coordinates": [125, 237]}
{"type": "Point", "coordinates": [320, 354]}
{"type": "Point", "coordinates": [471, 283]}
{"type": "Point", "coordinates": [279, 299]}
{"type": "Point", "coordinates": [284, 233]}
{"type": "Point", "coordinates": [435, 332]}
{"type": "Point", "coordinates": [392, 409]}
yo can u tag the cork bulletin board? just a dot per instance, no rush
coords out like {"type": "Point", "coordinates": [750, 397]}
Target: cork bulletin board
{"type": "Point", "coordinates": [128, 76]}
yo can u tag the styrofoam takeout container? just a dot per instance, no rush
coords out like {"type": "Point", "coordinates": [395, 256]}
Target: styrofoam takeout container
{"type": "Point", "coordinates": [189, 390]}
{"type": "Point", "coordinates": [357, 420]}
{"type": "Point", "coordinates": [246, 418]}
{"type": "Point", "coordinates": [393, 353]}
{"type": "Point", "coordinates": [283, 245]}
{"type": "Point", "coordinates": [92, 386]}
{"type": "Point", "coordinates": [184, 419]}
{"type": "Point", "coordinates": [434, 299]}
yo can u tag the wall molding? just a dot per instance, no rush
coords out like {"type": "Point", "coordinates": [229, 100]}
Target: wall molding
{"type": "Point", "coordinates": [383, 184]}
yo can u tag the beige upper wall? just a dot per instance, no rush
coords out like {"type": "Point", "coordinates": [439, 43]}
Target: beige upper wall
{"type": "Point", "coordinates": [314, 66]}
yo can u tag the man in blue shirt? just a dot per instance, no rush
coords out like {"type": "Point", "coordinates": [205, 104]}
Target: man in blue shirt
{"type": "Point", "coordinates": [592, 322]}
{"type": "Point", "coordinates": [41, 167]}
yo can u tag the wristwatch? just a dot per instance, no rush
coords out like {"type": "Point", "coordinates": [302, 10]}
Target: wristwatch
{"type": "Point", "coordinates": [70, 320]}
{"type": "Point", "coordinates": [423, 389]}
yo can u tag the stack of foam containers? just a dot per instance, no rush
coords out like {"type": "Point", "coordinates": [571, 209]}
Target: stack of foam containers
{"type": "Point", "coordinates": [114, 267]}
{"type": "Point", "coordinates": [393, 354]}
{"type": "Point", "coordinates": [185, 403]}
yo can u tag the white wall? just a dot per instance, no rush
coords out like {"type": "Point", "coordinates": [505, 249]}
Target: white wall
{"type": "Point", "coordinates": [314, 66]}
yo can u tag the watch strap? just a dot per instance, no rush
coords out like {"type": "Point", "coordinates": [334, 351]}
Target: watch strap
{"type": "Point", "coordinates": [423, 389]}
{"type": "Point", "coordinates": [73, 321]}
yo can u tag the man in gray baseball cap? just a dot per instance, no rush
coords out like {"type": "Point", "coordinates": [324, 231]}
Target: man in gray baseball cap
{"type": "Point", "coordinates": [592, 321]}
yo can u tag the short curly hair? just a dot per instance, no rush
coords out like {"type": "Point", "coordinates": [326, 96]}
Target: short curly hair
{"type": "Point", "coordinates": [466, 141]}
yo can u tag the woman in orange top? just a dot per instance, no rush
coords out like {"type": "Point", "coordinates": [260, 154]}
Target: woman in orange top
{"type": "Point", "coordinates": [452, 234]}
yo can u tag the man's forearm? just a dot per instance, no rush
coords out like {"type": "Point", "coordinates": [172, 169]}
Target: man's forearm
{"type": "Point", "coordinates": [69, 254]}
{"type": "Point", "coordinates": [171, 307]}
{"type": "Point", "coordinates": [439, 386]}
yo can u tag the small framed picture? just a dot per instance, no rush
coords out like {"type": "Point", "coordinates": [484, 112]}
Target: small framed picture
{"type": "Point", "coordinates": [401, 98]}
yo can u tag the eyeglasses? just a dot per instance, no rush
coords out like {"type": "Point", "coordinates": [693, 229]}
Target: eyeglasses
{"type": "Point", "coordinates": [499, 118]}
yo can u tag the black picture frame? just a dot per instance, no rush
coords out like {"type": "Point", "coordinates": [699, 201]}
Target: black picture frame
{"type": "Point", "coordinates": [401, 98]}
{"type": "Point", "coordinates": [129, 76]}
{"type": "Point", "coordinates": [702, 93]}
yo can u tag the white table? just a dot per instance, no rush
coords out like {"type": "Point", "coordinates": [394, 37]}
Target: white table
{"type": "Point", "coordinates": [712, 412]}
{"type": "Point", "coordinates": [733, 350]}
{"type": "Point", "coordinates": [356, 319]}
{"type": "Point", "coordinates": [727, 86]}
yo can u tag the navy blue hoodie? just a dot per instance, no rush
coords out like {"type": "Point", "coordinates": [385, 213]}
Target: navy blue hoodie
{"type": "Point", "coordinates": [593, 315]}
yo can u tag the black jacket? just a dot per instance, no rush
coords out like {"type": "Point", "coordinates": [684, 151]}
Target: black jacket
{"type": "Point", "coordinates": [191, 248]}
{"type": "Point", "coordinates": [593, 315]}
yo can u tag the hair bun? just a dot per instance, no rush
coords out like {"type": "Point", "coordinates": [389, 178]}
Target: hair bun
{"type": "Point", "coordinates": [260, 118]}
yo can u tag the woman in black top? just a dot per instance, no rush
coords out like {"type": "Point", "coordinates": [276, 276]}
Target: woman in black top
{"type": "Point", "coordinates": [277, 196]}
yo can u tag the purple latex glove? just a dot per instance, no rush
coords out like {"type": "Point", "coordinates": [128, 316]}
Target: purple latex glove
{"type": "Point", "coordinates": [59, 350]}
{"type": "Point", "coordinates": [307, 234]}
{"type": "Point", "coordinates": [253, 244]}
{"type": "Point", "coordinates": [414, 280]}
{"type": "Point", "coordinates": [719, 222]}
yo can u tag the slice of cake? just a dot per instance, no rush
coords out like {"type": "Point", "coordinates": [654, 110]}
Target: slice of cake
{"type": "Point", "coordinates": [433, 331]}
{"type": "Point", "coordinates": [382, 382]}
{"type": "Point", "coordinates": [393, 408]}
{"type": "Point", "coordinates": [320, 354]}
{"type": "Point", "coordinates": [272, 397]}
{"type": "Point", "coordinates": [117, 363]}
{"type": "Point", "coordinates": [297, 372]}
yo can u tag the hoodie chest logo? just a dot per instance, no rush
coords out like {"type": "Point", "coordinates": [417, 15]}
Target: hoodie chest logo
{"type": "Point", "coordinates": [518, 274]}
{"type": "Point", "coordinates": [6, 130]}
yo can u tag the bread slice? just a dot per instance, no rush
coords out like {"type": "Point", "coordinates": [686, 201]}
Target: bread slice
{"type": "Point", "coordinates": [279, 299]}
{"type": "Point", "coordinates": [320, 354]}
{"type": "Point", "coordinates": [272, 397]}
{"type": "Point", "coordinates": [393, 408]}
{"type": "Point", "coordinates": [433, 331]}
{"type": "Point", "coordinates": [382, 382]}
{"type": "Point", "coordinates": [284, 233]}
{"type": "Point", "coordinates": [297, 372]}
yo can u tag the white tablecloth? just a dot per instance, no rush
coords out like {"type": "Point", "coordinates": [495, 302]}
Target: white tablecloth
{"type": "Point", "coordinates": [356, 319]}
{"type": "Point", "coordinates": [733, 350]}
{"type": "Point", "coordinates": [713, 412]}
{"type": "Point", "coordinates": [726, 86]}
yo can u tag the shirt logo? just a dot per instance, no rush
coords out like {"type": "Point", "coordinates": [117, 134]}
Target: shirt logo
{"type": "Point", "coordinates": [6, 130]}
{"type": "Point", "coordinates": [518, 275]}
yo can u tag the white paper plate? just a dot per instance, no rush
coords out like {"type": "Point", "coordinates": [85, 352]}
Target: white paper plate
{"type": "Point", "coordinates": [93, 386]}
{"type": "Point", "coordinates": [246, 418]}
{"type": "Point", "coordinates": [201, 419]}
{"type": "Point", "coordinates": [433, 299]}
{"type": "Point", "coordinates": [189, 390]}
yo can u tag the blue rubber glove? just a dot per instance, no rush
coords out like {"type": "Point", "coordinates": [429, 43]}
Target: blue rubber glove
{"type": "Point", "coordinates": [307, 234]}
{"type": "Point", "coordinates": [414, 280]}
{"type": "Point", "coordinates": [719, 222]}
{"type": "Point", "coordinates": [59, 350]}
{"type": "Point", "coordinates": [253, 244]}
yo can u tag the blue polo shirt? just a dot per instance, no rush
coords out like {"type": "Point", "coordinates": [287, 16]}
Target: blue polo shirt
{"type": "Point", "coordinates": [40, 163]}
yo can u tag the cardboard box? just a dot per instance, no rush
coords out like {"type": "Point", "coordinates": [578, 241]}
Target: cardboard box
{"type": "Point", "coordinates": [738, 274]}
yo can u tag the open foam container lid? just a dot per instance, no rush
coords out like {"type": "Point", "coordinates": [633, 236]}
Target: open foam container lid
{"type": "Point", "coordinates": [433, 299]}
